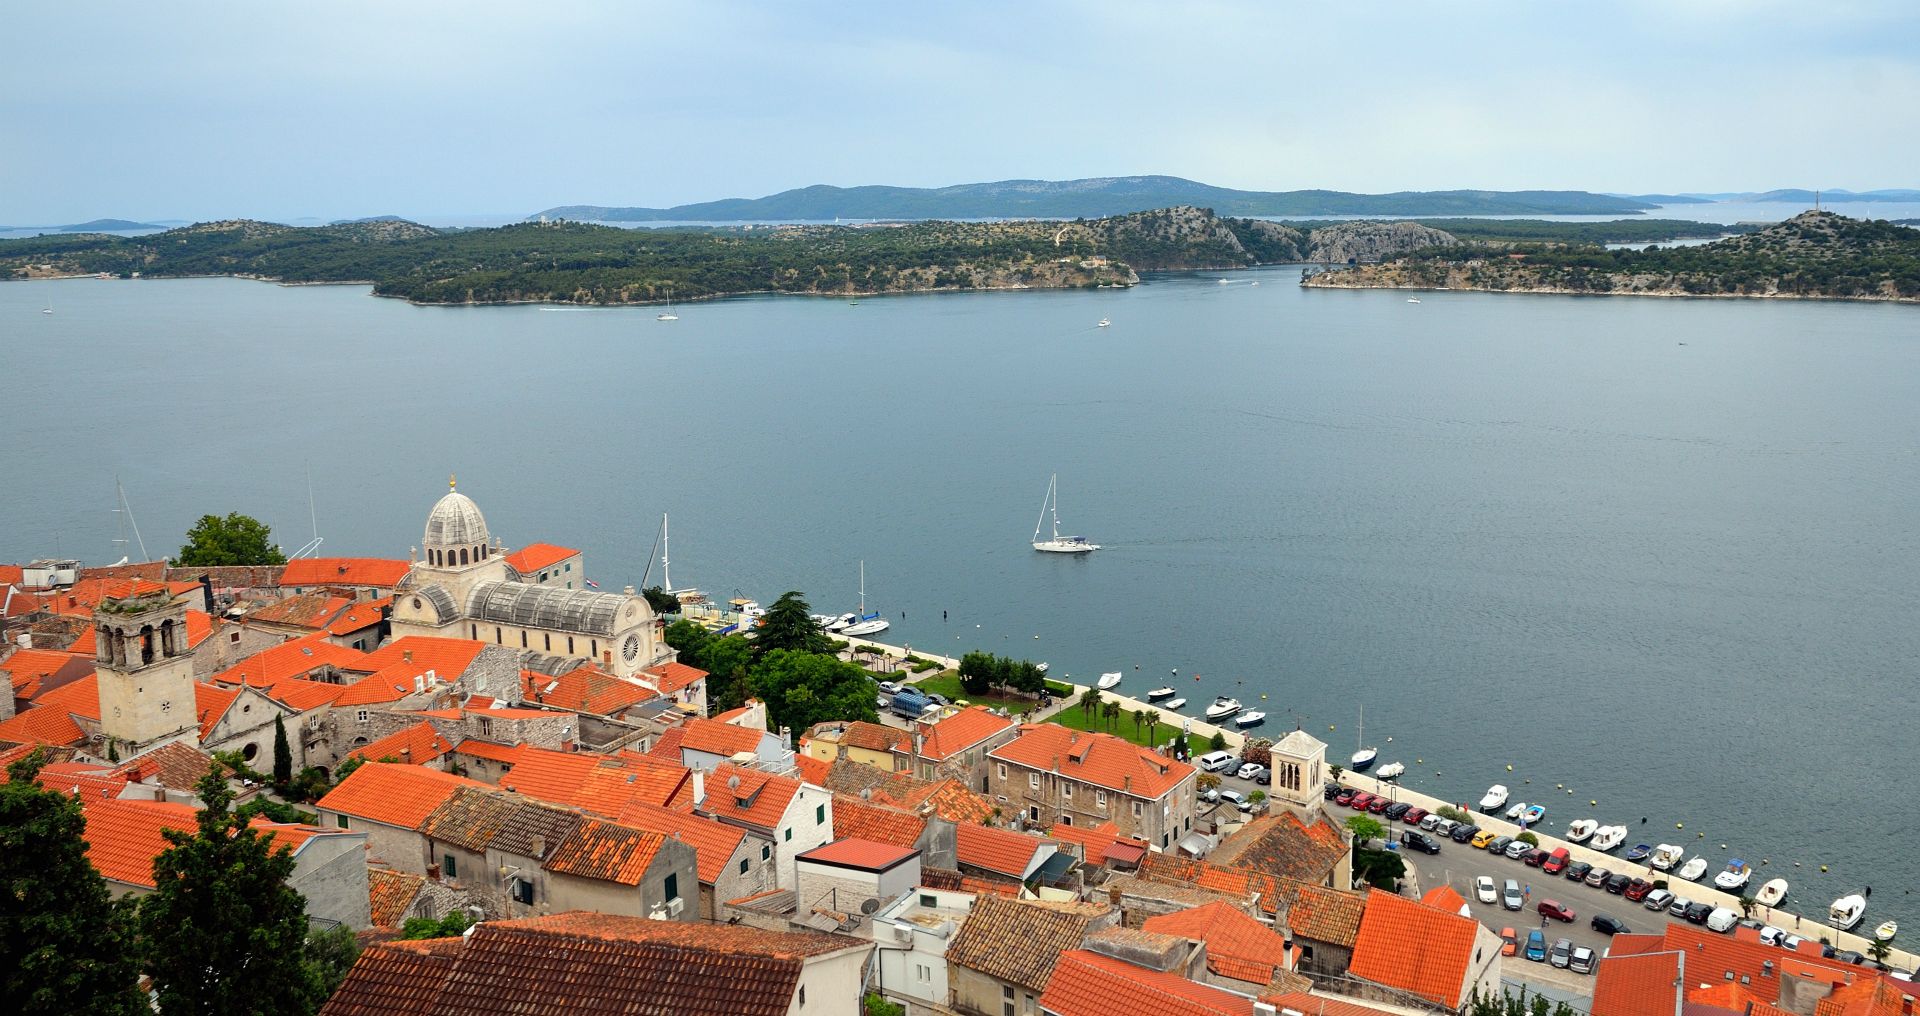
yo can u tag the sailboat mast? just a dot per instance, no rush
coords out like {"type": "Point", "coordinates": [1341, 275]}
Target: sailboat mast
{"type": "Point", "coordinates": [128, 509]}
{"type": "Point", "coordinates": [666, 563]}
{"type": "Point", "coordinates": [1053, 488]}
{"type": "Point", "coordinates": [1042, 520]}
{"type": "Point", "coordinates": [863, 588]}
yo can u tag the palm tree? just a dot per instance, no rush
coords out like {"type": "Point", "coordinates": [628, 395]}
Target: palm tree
{"type": "Point", "coordinates": [1879, 948]}
{"type": "Point", "coordinates": [1746, 906]}
{"type": "Point", "coordinates": [1088, 700]}
{"type": "Point", "coordinates": [1112, 711]}
{"type": "Point", "coordinates": [1139, 720]}
{"type": "Point", "coordinates": [1153, 726]}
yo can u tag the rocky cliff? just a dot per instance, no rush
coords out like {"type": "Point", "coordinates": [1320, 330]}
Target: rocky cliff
{"type": "Point", "coordinates": [1369, 241]}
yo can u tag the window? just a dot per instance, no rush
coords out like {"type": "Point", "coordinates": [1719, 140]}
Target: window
{"type": "Point", "coordinates": [1006, 1000]}
{"type": "Point", "coordinates": [569, 645]}
{"type": "Point", "coordinates": [523, 640]}
{"type": "Point", "coordinates": [340, 820]}
{"type": "Point", "coordinates": [923, 972]}
{"type": "Point", "coordinates": [1003, 770]}
{"type": "Point", "coordinates": [497, 640]}
{"type": "Point", "coordinates": [1137, 809]}
{"type": "Point", "coordinates": [743, 865]}
{"type": "Point", "coordinates": [766, 851]}
{"type": "Point", "coordinates": [569, 566]}
{"type": "Point", "coordinates": [820, 814]}
{"type": "Point", "coordinates": [673, 885]}
{"type": "Point", "coordinates": [547, 637]}
{"type": "Point", "coordinates": [234, 638]}
{"type": "Point", "coordinates": [486, 726]}
{"type": "Point", "coordinates": [448, 866]}
{"type": "Point", "coordinates": [1100, 798]}
{"type": "Point", "coordinates": [473, 632]}
{"type": "Point", "coordinates": [522, 891]}
{"type": "Point", "coordinates": [361, 716]}
{"type": "Point", "coordinates": [928, 900]}
{"type": "Point", "coordinates": [788, 835]}
{"type": "Point", "coordinates": [1066, 791]}
{"type": "Point", "coordinates": [803, 994]}
{"type": "Point", "coordinates": [1066, 820]}
{"type": "Point", "coordinates": [1033, 781]}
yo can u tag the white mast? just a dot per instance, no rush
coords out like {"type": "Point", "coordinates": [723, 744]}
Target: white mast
{"type": "Point", "coordinates": [666, 566]}
{"type": "Point", "coordinates": [1053, 486]}
{"type": "Point", "coordinates": [127, 510]}
{"type": "Point", "coordinates": [863, 587]}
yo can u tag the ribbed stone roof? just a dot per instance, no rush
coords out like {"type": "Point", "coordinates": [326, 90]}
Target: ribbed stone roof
{"type": "Point", "coordinates": [455, 520]}
{"type": "Point", "coordinates": [529, 606]}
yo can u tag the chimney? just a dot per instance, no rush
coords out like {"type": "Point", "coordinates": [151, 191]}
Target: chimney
{"type": "Point", "coordinates": [699, 788]}
{"type": "Point", "coordinates": [406, 656]}
{"type": "Point", "coordinates": [539, 848]}
{"type": "Point", "coordinates": [1129, 784]}
{"type": "Point", "coordinates": [206, 592]}
{"type": "Point", "coordinates": [1766, 969]}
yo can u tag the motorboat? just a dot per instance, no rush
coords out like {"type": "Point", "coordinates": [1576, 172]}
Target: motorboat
{"type": "Point", "coordinates": [840, 623]}
{"type": "Point", "coordinates": [1639, 852]}
{"type": "Point", "coordinates": [1533, 814]}
{"type": "Point", "coordinates": [1057, 544]}
{"type": "Point", "coordinates": [1363, 756]}
{"type": "Point", "coordinates": [1887, 930]}
{"type": "Point", "coordinates": [1109, 679]}
{"type": "Point", "coordinates": [1514, 813]}
{"type": "Point", "coordinates": [1103, 323]}
{"type": "Point", "coordinates": [1608, 837]}
{"type": "Point", "coordinates": [1733, 879]}
{"type": "Point", "coordinates": [1772, 893]}
{"type": "Point", "coordinates": [1042, 666]}
{"type": "Point", "coordinates": [1692, 870]}
{"type": "Point", "coordinates": [1581, 830]}
{"type": "Point", "coordinates": [1413, 299]}
{"type": "Point", "coordinates": [1495, 798]}
{"type": "Point", "coordinates": [1392, 770]}
{"type": "Point", "coordinates": [1223, 707]}
{"type": "Point", "coordinates": [1666, 856]}
{"type": "Point", "coordinates": [1159, 693]}
{"type": "Point", "coordinates": [824, 621]}
{"type": "Point", "coordinates": [1847, 911]}
{"type": "Point", "coordinates": [1174, 703]}
{"type": "Point", "coordinates": [1252, 719]}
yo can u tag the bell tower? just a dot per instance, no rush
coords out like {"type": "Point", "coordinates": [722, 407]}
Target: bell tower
{"type": "Point", "coordinates": [144, 670]}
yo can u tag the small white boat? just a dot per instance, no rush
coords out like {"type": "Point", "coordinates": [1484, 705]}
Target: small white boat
{"type": "Point", "coordinates": [1533, 814]}
{"type": "Point", "coordinates": [1514, 813]}
{"type": "Point", "coordinates": [1224, 282]}
{"type": "Point", "coordinates": [824, 621]}
{"type": "Point", "coordinates": [1608, 838]}
{"type": "Point", "coordinates": [1109, 679]}
{"type": "Point", "coordinates": [1666, 856]}
{"type": "Point", "coordinates": [1042, 666]}
{"type": "Point", "coordinates": [1692, 870]}
{"type": "Point", "coordinates": [1222, 708]}
{"type": "Point", "coordinates": [1847, 911]}
{"type": "Point", "coordinates": [1495, 798]}
{"type": "Point", "coordinates": [1887, 930]}
{"type": "Point", "coordinates": [1392, 770]}
{"type": "Point", "coordinates": [1733, 879]}
{"type": "Point", "coordinates": [1252, 719]}
{"type": "Point", "coordinates": [668, 314]}
{"type": "Point", "coordinates": [1413, 299]}
{"type": "Point", "coordinates": [1159, 693]}
{"type": "Point", "coordinates": [1772, 893]}
{"type": "Point", "coordinates": [840, 623]}
{"type": "Point", "coordinates": [1363, 756]}
{"type": "Point", "coordinates": [1103, 323]}
{"type": "Point", "coordinates": [1581, 830]}
{"type": "Point", "coordinates": [1058, 544]}
{"type": "Point", "coordinates": [1174, 703]}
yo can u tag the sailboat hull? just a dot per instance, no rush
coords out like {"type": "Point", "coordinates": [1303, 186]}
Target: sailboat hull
{"type": "Point", "coordinates": [1065, 546]}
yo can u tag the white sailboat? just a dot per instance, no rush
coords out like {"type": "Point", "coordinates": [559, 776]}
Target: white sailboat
{"type": "Point", "coordinates": [1103, 323]}
{"type": "Point", "coordinates": [49, 308]}
{"type": "Point", "coordinates": [1057, 544]}
{"type": "Point", "coordinates": [865, 624]}
{"type": "Point", "coordinates": [668, 314]}
{"type": "Point", "coordinates": [1364, 756]}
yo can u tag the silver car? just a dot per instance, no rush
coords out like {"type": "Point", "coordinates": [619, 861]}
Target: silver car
{"type": "Point", "coordinates": [1561, 954]}
{"type": "Point", "coordinates": [1430, 823]}
{"type": "Point", "coordinates": [1582, 962]}
{"type": "Point", "coordinates": [1511, 897]}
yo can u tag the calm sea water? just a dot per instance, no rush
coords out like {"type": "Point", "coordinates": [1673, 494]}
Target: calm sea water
{"type": "Point", "coordinates": [1662, 552]}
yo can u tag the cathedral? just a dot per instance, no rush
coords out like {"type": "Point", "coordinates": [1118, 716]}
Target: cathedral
{"type": "Point", "coordinates": [461, 586]}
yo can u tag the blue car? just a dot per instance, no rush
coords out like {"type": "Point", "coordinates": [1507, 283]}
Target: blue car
{"type": "Point", "coordinates": [1536, 946]}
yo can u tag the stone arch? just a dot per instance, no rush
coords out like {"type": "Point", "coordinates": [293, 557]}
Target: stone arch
{"type": "Point", "coordinates": [169, 638]}
{"type": "Point", "coordinates": [463, 555]}
{"type": "Point", "coordinates": [146, 644]}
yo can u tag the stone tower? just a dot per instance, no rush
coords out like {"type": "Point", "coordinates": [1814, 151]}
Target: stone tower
{"type": "Point", "coordinates": [1299, 768]}
{"type": "Point", "coordinates": [145, 672]}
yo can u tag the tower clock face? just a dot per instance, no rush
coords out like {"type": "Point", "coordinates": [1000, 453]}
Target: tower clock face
{"type": "Point", "coordinates": [630, 648]}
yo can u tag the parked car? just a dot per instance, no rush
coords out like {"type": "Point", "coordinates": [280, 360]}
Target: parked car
{"type": "Point", "coordinates": [1511, 897]}
{"type": "Point", "coordinates": [1264, 777]}
{"type": "Point", "coordinates": [1791, 942]}
{"type": "Point", "coordinates": [1679, 906]}
{"type": "Point", "coordinates": [1577, 871]}
{"type": "Point", "coordinates": [1233, 797]}
{"type": "Point", "coordinates": [1561, 954]}
{"type": "Point", "coordinates": [1343, 798]}
{"type": "Point", "coordinates": [1420, 841]}
{"type": "Point", "coordinates": [1509, 942]}
{"type": "Point", "coordinates": [1360, 801]}
{"type": "Point", "coordinates": [1721, 919]}
{"type": "Point", "coordinates": [1395, 812]}
{"type": "Point", "coordinates": [1556, 861]}
{"type": "Point", "coordinates": [1697, 913]}
{"type": "Point", "coordinates": [1414, 816]}
{"type": "Point", "coordinates": [1617, 884]}
{"type": "Point", "coordinates": [890, 686]}
{"type": "Point", "coordinates": [1583, 961]}
{"type": "Point", "coordinates": [1657, 900]}
{"type": "Point", "coordinates": [1379, 805]}
{"type": "Point", "coordinates": [1482, 838]}
{"type": "Point", "coordinates": [1534, 858]}
{"type": "Point", "coordinates": [1217, 762]}
{"type": "Point", "coordinates": [1608, 925]}
{"type": "Point", "coordinates": [1247, 770]}
{"type": "Point", "coordinates": [1771, 935]}
{"type": "Point", "coordinates": [1431, 822]}
{"type": "Point", "coordinates": [1844, 955]}
{"type": "Point", "coordinates": [1331, 791]}
{"type": "Point", "coordinates": [1748, 922]}
{"type": "Point", "coordinates": [1598, 877]}
{"type": "Point", "coordinates": [1444, 827]}
{"type": "Point", "coordinates": [1464, 832]}
{"type": "Point", "coordinates": [1536, 946]}
{"type": "Point", "coordinates": [881, 701]}
{"type": "Point", "coordinates": [1638, 889]}
{"type": "Point", "coordinates": [1518, 849]}
{"type": "Point", "coordinates": [1484, 891]}
{"type": "Point", "coordinates": [1499, 844]}
{"type": "Point", "coordinates": [1556, 910]}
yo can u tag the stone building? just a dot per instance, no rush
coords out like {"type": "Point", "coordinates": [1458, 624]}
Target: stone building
{"type": "Point", "coordinates": [145, 671]}
{"type": "Point", "coordinates": [1049, 773]}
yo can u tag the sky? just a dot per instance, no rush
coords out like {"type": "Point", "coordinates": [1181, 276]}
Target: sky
{"type": "Point", "coordinates": [200, 110]}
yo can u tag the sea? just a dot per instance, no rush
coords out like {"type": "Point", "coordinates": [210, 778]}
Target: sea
{"type": "Point", "coordinates": [1660, 556]}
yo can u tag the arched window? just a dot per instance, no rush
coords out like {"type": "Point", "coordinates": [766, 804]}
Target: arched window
{"type": "Point", "coordinates": [463, 555]}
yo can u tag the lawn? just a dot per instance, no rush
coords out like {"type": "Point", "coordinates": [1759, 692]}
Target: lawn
{"type": "Point", "coordinates": [947, 683]}
{"type": "Point", "coordinates": [1074, 717]}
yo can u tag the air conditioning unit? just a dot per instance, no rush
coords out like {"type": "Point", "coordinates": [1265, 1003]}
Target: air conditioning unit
{"type": "Point", "coordinates": [675, 906]}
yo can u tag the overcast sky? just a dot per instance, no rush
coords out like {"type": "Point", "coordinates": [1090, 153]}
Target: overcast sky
{"type": "Point", "coordinates": [196, 110]}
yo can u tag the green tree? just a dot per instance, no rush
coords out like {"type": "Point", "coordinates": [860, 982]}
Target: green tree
{"type": "Point", "coordinates": [236, 539]}
{"type": "Point", "coordinates": [801, 689]}
{"type": "Point", "coordinates": [1218, 742]}
{"type": "Point", "coordinates": [282, 754]}
{"type": "Point", "coordinates": [1153, 726]}
{"type": "Point", "coordinates": [1448, 811]}
{"type": "Point", "coordinates": [1139, 720]}
{"type": "Point", "coordinates": [330, 955]}
{"type": "Point", "coordinates": [1026, 677]}
{"type": "Point", "coordinates": [1530, 839]}
{"type": "Point", "coordinates": [1879, 948]}
{"type": "Point", "coordinates": [1364, 828]}
{"type": "Point", "coordinates": [455, 923]}
{"type": "Point", "coordinates": [1112, 710]}
{"type": "Point", "coordinates": [1089, 701]}
{"type": "Point", "coordinates": [688, 638]}
{"type": "Point", "coordinates": [976, 672]}
{"type": "Point", "coordinates": [65, 945]}
{"type": "Point", "coordinates": [1747, 903]}
{"type": "Point", "coordinates": [661, 601]}
{"type": "Point", "coordinates": [226, 935]}
{"type": "Point", "coordinates": [789, 624]}
{"type": "Point", "coordinates": [726, 660]}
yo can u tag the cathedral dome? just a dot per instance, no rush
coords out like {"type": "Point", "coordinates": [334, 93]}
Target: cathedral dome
{"type": "Point", "coordinates": [455, 521]}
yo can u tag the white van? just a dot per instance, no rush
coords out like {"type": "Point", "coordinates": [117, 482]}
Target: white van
{"type": "Point", "coordinates": [1723, 919]}
{"type": "Point", "coordinates": [1216, 761]}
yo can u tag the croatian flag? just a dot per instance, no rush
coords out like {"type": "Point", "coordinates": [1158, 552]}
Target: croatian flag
{"type": "Point", "coordinates": [592, 583]}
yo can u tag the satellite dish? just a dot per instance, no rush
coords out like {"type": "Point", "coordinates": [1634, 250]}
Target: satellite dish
{"type": "Point", "coordinates": [869, 905]}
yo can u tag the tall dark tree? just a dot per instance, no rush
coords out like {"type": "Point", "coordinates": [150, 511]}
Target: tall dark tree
{"type": "Point", "coordinates": [226, 934]}
{"type": "Point", "coordinates": [788, 624]}
{"type": "Point", "coordinates": [976, 672]}
{"type": "Point", "coordinates": [65, 945]}
{"type": "Point", "coordinates": [236, 539]}
{"type": "Point", "coordinates": [282, 754]}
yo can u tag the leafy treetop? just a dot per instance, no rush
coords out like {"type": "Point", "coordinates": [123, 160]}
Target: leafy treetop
{"type": "Point", "coordinates": [236, 539]}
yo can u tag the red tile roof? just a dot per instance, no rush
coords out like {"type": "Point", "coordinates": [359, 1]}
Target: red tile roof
{"type": "Point", "coordinates": [1280, 844]}
{"type": "Point", "coordinates": [606, 851]}
{"type": "Point", "coordinates": [311, 610]}
{"type": "Point", "coordinates": [396, 979]}
{"type": "Point", "coordinates": [1416, 948]}
{"type": "Point", "coordinates": [1020, 940]}
{"type": "Point", "coordinates": [301, 696]}
{"type": "Point", "coordinates": [361, 616]}
{"type": "Point", "coordinates": [670, 678]}
{"type": "Point", "coordinates": [959, 732]}
{"type": "Point", "coordinates": [1099, 759]}
{"type": "Point", "coordinates": [291, 659]}
{"type": "Point", "coordinates": [51, 720]}
{"type": "Point", "coordinates": [86, 594]}
{"type": "Point", "coordinates": [535, 556]}
{"type": "Point", "coordinates": [390, 894]}
{"type": "Point", "coordinates": [853, 817]}
{"type": "Point", "coordinates": [874, 736]}
{"type": "Point", "coordinates": [444, 656]}
{"type": "Point", "coordinates": [1237, 945]}
{"type": "Point", "coordinates": [586, 690]}
{"type": "Point", "coordinates": [12, 574]}
{"type": "Point", "coordinates": [488, 750]}
{"type": "Point", "coordinates": [392, 794]}
{"type": "Point", "coordinates": [175, 765]}
{"type": "Point", "coordinates": [759, 801]}
{"type": "Point", "coordinates": [716, 738]}
{"type": "Point", "coordinates": [998, 850]}
{"type": "Point", "coordinates": [1096, 842]}
{"type": "Point", "coordinates": [210, 702]}
{"type": "Point", "coordinates": [603, 784]}
{"type": "Point", "coordinates": [713, 842]}
{"type": "Point", "coordinates": [381, 572]}
{"type": "Point", "coordinates": [1444, 898]}
{"type": "Point", "coordinates": [813, 770]}
{"type": "Point", "coordinates": [31, 667]}
{"type": "Point", "coordinates": [1630, 985]}
{"type": "Point", "coordinates": [82, 779]}
{"type": "Point", "coordinates": [865, 855]}
{"type": "Point", "coordinates": [123, 837]}
{"type": "Point", "coordinates": [1090, 984]}
{"type": "Point", "coordinates": [415, 745]}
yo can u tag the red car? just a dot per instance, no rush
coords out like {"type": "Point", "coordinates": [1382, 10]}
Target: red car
{"type": "Point", "coordinates": [1638, 889]}
{"type": "Point", "coordinates": [1534, 858]}
{"type": "Point", "coordinates": [1360, 801]}
{"type": "Point", "coordinates": [1556, 862]}
{"type": "Point", "coordinates": [1345, 797]}
{"type": "Point", "coordinates": [1413, 816]}
{"type": "Point", "coordinates": [1556, 910]}
{"type": "Point", "coordinates": [1379, 805]}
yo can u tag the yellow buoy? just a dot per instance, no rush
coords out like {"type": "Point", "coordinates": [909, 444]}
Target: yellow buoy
{"type": "Point", "coordinates": [1593, 804]}
{"type": "Point", "coordinates": [1330, 726]}
{"type": "Point", "coordinates": [1509, 767]}
{"type": "Point", "coordinates": [1823, 867]}
{"type": "Point", "coordinates": [1679, 825]}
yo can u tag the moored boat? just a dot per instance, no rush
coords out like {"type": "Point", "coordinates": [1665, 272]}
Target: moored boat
{"type": "Point", "coordinates": [1495, 798]}
{"type": "Point", "coordinates": [1692, 870]}
{"type": "Point", "coordinates": [1581, 830]}
{"type": "Point", "coordinates": [1392, 770]}
{"type": "Point", "coordinates": [1514, 813]}
{"type": "Point", "coordinates": [1608, 838]}
{"type": "Point", "coordinates": [1363, 756]}
{"type": "Point", "coordinates": [1042, 666]}
{"type": "Point", "coordinates": [1174, 703]}
{"type": "Point", "coordinates": [1533, 814]}
{"type": "Point", "coordinates": [1734, 878]}
{"type": "Point", "coordinates": [1887, 930]}
{"type": "Point", "coordinates": [1639, 852]}
{"type": "Point", "coordinates": [1159, 693]}
{"type": "Point", "coordinates": [1666, 856]}
{"type": "Point", "coordinates": [1252, 719]}
{"type": "Point", "coordinates": [1222, 708]}
{"type": "Point", "coordinates": [1109, 679]}
{"type": "Point", "coordinates": [1847, 911]}
{"type": "Point", "coordinates": [1772, 893]}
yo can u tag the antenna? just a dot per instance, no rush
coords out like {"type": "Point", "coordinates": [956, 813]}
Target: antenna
{"type": "Point", "coordinates": [127, 510]}
{"type": "Point", "coordinates": [313, 516]}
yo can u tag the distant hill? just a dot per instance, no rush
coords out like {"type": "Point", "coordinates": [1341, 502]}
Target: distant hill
{"type": "Point", "coordinates": [104, 225]}
{"type": "Point", "coordinates": [1097, 198]}
{"type": "Point", "coordinates": [1792, 195]}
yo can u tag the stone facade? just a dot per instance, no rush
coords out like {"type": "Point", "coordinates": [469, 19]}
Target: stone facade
{"type": "Point", "coordinates": [145, 671]}
{"type": "Point", "coordinates": [331, 872]}
{"type": "Point", "coordinates": [1045, 798]}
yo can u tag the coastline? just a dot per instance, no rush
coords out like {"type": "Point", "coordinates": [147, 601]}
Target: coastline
{"type": "Point", "coordinates": [1314, 283]}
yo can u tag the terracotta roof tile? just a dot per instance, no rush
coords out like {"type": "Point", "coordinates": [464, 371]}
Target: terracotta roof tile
{"type": "Point", "coordinates": [51, 719]}
{"type": "Point", "coordinates": [392, 794]}
{"type": "Point", "coordinates": [1095, 758]}
{"type": "Point", "coordinates": [175, 765]}
{"type": "Point", "coordinates": [813, 770]}
{"type": "Point", "coordinates": [605, 851]}
{"type": "Point", "coordinates": [1090, 984]}
{"type": "Point", "coordinates": [123, 837]}
{"type": "Point", "coordinates": [30, 667]}
{"type": "Point", "coordinates": [390, 895]}
{"type": "Point", "coordinates": [867, 855]}
{"type": "Point", "coordinates": [309, 610]}
{"type": "Point", "coordinates": [603, 784]}
{"type": "Point", "coordinates": [380, 572]}
{"type": "Point", "coordinates": [997, 850]}
{"type": "Point", "coordinates": [671, 678]}
{"type": "Point", "coordinates": [476, 818]}
{"type": "Point", "coordinates": [301, 696]}
{"type": "Point", "coordinates": [759, 801]}
{"type": "Point", "coordinates": [1416, 948]}
{"type": "Point", "coordinates": [415, 745]}
{"type": "Point", "coordinates": [295, 658]}
{"type": "Point", "coordinates": [1632, 985]}
{"type": "Point", "coordinates": [210, 702]}
{"type": "Point", "coordinates": [361, 616]}
{"type": "Point", "coordinates": [535, 556]}
{"type": "Point", "coordinates": [84, 780]}
{"type": "Point", "coordinates": [1322, 1004]}
{"type": "Point", "coordinates": [1444, 898]}
{"type": "Point", "coordinates": [396, 979]}
{"type": "Point", "coordinates": [953, 881]}
{"type": "Point", "coordinates": [713, 843]}
{"type": "Point", "coordinates": [586, 690]}
{"type": "Point", "coordinates": [963, 730]}
{"type": "Point", "coordinates": [859, 819]}
{"type": "Point", "coordinates": [489, 750]}
{"type": "Point", "coordinates": [716, 738]}
{"type": "Point", "coordinates": [1280, 844]}
{"type": "Point", "coordinates": [874, 736]}
{"type": "Point", "coordinates": [1018, 941]}
{"type": "Point", "coordinates": [1237, 945]}
{"type": "Point", "coordinates": [1096, 841]}
{"type": "Point", "coordinates": [1314, 911]}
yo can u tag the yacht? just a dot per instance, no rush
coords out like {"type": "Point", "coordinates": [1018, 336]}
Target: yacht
{"type": "Point", "coordinates": [865, 623]}
{"type": "Point", "coordinates": [1363, 756]}
{"type": "Point", "coordinates": [1413, 299]}
{"type": "Point", "coordinates": [1581, 830]}
{"type": "Point", "coordinates": [1496, 797]}
{"type": "Point", "coordinates": [668, 314]}
{"type": "Point", "coordinates": [1735, 878]}
{"type": "Point", "coordinates": [1222, 708]}
{"type": "Point", "coordinates": [1252, 719]}
{"type": "Point", "coordinates": [1110, 679]}
{"type": "Point", "coordinates": [1692, 870]}
{"type": "Point", "coordinates": [1058, 544]}
{"type": "Point", "coordinates": [1608, 838]}
{"type": "Point", "coordinates": [1847, 911]}
{"type": "Point", "coordinates": [840, 623]}
{"type": "Point", "coordinates": [1103, 323]}
{"type": "Point", "coordinates": [1159, 693]}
